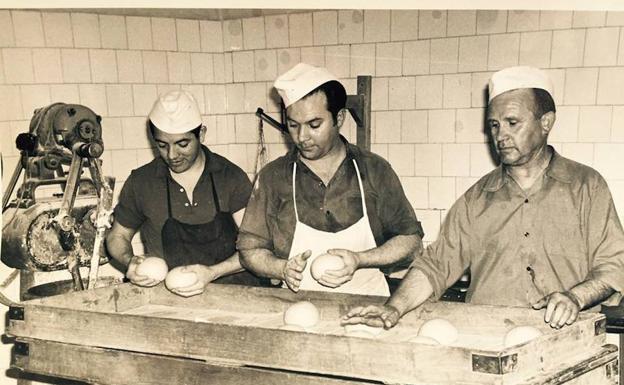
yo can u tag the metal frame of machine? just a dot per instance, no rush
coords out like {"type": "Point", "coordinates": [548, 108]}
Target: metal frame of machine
{"type": "Point", "coordinates": [65, 232]}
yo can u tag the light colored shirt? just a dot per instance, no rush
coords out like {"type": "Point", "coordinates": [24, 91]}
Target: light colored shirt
{"type": "Point", "coordinates": [522, 245]}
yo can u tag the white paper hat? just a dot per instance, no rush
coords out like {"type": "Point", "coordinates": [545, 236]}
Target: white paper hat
{"type": "Point", "coordinates": [297, 82]}
{"type": "Point", "coordinates": [513, 78]}
{"type": "Point", "coordinates": [175, 112]}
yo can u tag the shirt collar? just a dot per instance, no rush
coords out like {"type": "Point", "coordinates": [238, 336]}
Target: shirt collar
{"type": "Point", "coordinates": [558, 168]}
{"type": "Point", "coordinates": [353, 152]}
{"type": "Point", "coordinates": [212, 164]}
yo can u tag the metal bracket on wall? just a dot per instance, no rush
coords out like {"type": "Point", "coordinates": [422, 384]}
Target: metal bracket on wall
{"type": "Point", "coordinates": [359, 106]}
{"type": "Point", "coordinates": [262, 115]}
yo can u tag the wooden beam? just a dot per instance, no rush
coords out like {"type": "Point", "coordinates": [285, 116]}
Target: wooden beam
{"type": "Point", "coordinates": [118, 367]}
{"type": "Point", "coordinates": [359, 106]}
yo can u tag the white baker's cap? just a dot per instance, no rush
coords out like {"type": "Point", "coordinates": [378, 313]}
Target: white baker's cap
{"type": "Point", "coordinates": [513, 78]}
{"type": "Point", "coordinates": [297, 82]}
{"type": "Point", "coordinates": [175, 112]}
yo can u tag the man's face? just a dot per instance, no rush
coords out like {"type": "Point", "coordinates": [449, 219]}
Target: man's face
{"type": "Point", "coordinates": [517, 134]}
{"type": "Point", "coordinates": [179, 151]}
{"type": "Point", "coordinates": [311, 126]}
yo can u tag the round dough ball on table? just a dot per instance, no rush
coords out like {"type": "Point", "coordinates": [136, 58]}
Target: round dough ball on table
{"type": "Point", "coordinates": [153, 267]}
{"type": "Point", "coordinates": [178, 278]}
{"type": "Point", "coordinates": [325, 262]}
{"type": "Point", "coordinates": [303, 314]}
{"type": "Point", "coordinates": [520, 335]}
{"type": "Point", "coordinates": [440, 330]}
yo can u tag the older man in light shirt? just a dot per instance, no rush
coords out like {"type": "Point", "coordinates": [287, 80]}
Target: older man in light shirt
{"type": "Point", "coordinates": [539, 231]}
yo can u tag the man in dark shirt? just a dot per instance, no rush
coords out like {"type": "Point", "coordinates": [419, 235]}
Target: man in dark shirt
{"type": "Point", "coordinates": [187, 202]}
{"type": "Point", "coordinates": [325, 195]}
{"type": "Point", "coordinates": [539, 231]}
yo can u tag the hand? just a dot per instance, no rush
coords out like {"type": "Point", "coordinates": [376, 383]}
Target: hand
{"type": "Point", "coordinates": [376, 316]}
{"type": "Point", "coordinates": [139, 280]}
{"type": "Point", "coordinates": [562, 308]}
{"type": "Point", "coordinates": [204, 274]}
{"type": "Point", "coordinates": [293, 270]}
{"type": "Point", "coordinates": [335, 278]}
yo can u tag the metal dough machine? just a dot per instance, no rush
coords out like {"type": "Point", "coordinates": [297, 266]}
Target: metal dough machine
{"type": "Point", "coordinates": [66, 229]}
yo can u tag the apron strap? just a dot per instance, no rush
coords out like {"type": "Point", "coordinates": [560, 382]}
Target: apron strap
{"type": "Point", "coordinates": [357, 172]}
{"type": "Point", "coordinates": [215, 196]}
{"type": "Point", "coordinates": [293, 188]}
{"type": "Point", "coordinates": [168, 199]}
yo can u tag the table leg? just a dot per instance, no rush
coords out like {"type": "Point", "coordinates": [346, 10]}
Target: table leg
{"type": "Point", "coordinates": [621, 347]}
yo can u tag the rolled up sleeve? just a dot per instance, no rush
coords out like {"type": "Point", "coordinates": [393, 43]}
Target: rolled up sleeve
{"type": "Point", "coordinates": [128, 211]}
{"type": "Point", "coordinates": [254, 232]}
{"type": "Point", "coordinates": [445, 260]}
{"type": "Point", "coordinates": [606, 241]}
{"type": "Point", "coordinates": [240, 190]}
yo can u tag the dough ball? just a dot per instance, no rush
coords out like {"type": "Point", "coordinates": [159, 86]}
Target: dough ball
{"type": "Point", "coordinates": [520, 335]}
{"type": "Point", "coordinates": [361, 328]}
{"type": "Point", "coordinates": [178, 278]}
{"type": "Point", "coordinates": [440, 330]}
{"type": "Point", "coordinates": [153, 267]}
{"type": "Point", "coordinates": [423, 340]}
{"type": "Point", "coordinates": [325, 262]}
{"type": "Point", "coordinates": [303, 314]}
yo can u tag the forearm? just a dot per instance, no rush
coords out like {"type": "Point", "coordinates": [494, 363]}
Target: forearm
{"type": "Point", "coordinates": [397, 249]}
{"type": "Point", "coordinates": [120, 249]}
{"type": "Point", "coordinates": [414, 289]}
{"type": "Point", "coordinates": [263, 263]}
{"type": "Point", "coordinates": [229, 266]}
{"type": "Point", "coordinates": [591, 292]}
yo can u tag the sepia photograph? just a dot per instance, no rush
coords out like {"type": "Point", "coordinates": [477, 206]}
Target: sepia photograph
{"type": "Point", "coordinates": [327, 193]}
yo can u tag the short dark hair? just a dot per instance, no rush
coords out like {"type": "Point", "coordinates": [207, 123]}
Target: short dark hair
{"type": "Point", "coordinates": [336, 96]}
{"type": "Point", "coordinates": [542, 102]}
{"type": "Point", "coordinates": [195, 130]}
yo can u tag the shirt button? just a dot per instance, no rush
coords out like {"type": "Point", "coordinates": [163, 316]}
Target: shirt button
{"type": "Point", "coordinates": [181, 190]}
{"type": "Point", "coordinates": [186, 204]}
{"type": "Point", "coordinates": [526, 234]}
{"type": "Point", "coordinates": [526, 200]}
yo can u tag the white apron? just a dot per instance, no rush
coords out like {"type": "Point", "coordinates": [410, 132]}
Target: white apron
{"type": "Point", "coordinates": [357, 237]}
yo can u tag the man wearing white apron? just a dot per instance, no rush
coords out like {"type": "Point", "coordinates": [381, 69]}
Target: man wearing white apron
{"type": "Point", "coordinates": [326, 196]}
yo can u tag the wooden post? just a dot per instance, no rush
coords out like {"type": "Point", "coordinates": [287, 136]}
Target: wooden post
{"type": "Point", "coordinates": [360, 108]}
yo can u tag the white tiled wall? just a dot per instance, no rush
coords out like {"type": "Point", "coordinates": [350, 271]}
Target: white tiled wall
{"type": "Point", "coordinates": [429, 69]}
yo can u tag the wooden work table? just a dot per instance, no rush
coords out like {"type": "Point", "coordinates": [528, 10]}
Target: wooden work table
{"type": "Point", "coordinates": [231, 334]}
{"type": "Point", "coordinates": [615, 324]}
